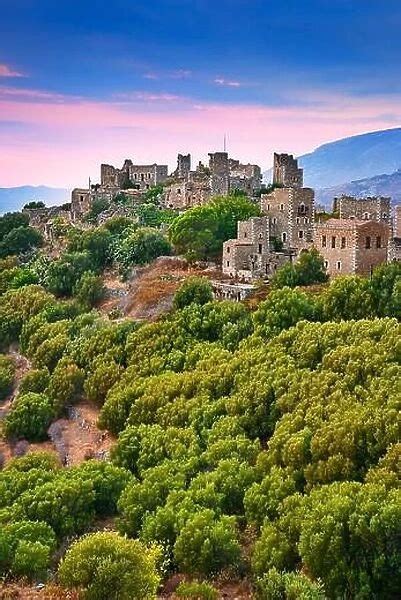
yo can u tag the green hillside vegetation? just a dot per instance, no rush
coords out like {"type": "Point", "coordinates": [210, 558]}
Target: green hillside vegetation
{"type": "Point", "coordinates": [262, 445]}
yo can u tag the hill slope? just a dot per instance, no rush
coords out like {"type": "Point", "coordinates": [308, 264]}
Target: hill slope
{"type": "Point", "coordinates": [351, 158]}
{"type": "Point", "coordinates": [14, 198]}
{"type": "Point", "coordinates": [380, 185]}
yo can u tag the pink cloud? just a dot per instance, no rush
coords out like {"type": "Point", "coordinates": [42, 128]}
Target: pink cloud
{"type": "Point", "coordinates": [65, 141]}
{"type": "Point", "coordinates": [151, 76]}
{"type": "Point", "coordinates": [227, 82]}
{"type": "Point", "coordinates": [6, 71]}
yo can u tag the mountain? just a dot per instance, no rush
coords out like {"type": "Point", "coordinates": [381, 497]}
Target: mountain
{"type": "Point", "coordinates": [380, 185]}
{"type": "Point", "coordinates": [12, 199]}
{"type": "Point", "coordinates": [352, 158]}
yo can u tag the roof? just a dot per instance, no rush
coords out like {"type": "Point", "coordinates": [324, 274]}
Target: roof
{"type": "Point", "coordinates": [348, 223]}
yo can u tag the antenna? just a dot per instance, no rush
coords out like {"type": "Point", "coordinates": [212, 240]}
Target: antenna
{"type": "Point", "coordinates": [89, 183]}
{"type": "Point", "coordinates": [225, 143]}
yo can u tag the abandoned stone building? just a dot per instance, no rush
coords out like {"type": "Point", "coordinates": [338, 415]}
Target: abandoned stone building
{"type": "Point", "coordinates": [250, 256]}
{"type": "Point", "coordinates": [352, 246]}
{"type": "Point", "coordinates": [140, 177]}
{"type": "Point", "coordinates": [376, 208]}
{"type": "Point", "coordinates": [291, 212]}
{"type": "Point", "coordinates": [186, 188]}
{"type": "Point", "coordinates": [286, 171]}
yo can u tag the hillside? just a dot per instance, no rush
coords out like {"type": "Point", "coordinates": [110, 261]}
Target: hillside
{"type": "Point", "coordinates": [380, 185]}
{"type": "Point", "coordinates": [351, 158]}
{"type": "Point", "coordinates": [14, 198]}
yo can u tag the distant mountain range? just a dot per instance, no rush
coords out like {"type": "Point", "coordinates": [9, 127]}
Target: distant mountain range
{"type": "Point", "coordinates": [362, 164]}
{"type": "Point", "coordinates": [380, 185]}
{"type": "Point", "coordinates": [13, 199]}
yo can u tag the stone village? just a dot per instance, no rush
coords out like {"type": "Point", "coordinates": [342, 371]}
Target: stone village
{"type": "Point", "coordinates": [360, 233]}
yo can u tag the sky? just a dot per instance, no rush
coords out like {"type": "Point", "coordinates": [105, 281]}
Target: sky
{"type": "Point", "coordinates": [87, 81]}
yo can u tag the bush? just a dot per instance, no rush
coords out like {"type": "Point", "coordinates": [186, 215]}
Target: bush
{"type": "Point", "coordinates": [35, 380]}
{"type": "Point", "coordinates": [7, 370]}
{"type": "Point", "coordinates": [106, 566]}
{"type": "Point", "coordinates": [141, 246]}
{"type": "Point", "coordinates": [207, 544]}
{"type": "Point", "coordinates": [196, 591]}
{"type": "Point", "coordinates": [283, 309]}
{"type": "Point", "coordinates": [287, 586]}
{"type": "Point", "coordinates": [90, 289]}
{"type": "Point", "coordinates": [29, 418]}
{"type": "Point", "coordinates": [197, 290]}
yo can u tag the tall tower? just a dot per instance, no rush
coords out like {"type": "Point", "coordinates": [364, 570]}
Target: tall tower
{"type": "Point", "coordinates": [286, 172]}
{"type": "Point", "coordinates": [183, 165]}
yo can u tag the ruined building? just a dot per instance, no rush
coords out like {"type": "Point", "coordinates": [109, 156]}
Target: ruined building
{"type": "Point", "coordinates": [286, 172]}
{"type": "Point", "coordinates": [140, 177]}
{"type": "Point", "coordinates": [250, 256]}
{"type": "Point", "coordinates": [367, 209]}
{"type": "Point", "coordinates": [352, 246]}
{"type": "Point", "coordinates": [186, 188]}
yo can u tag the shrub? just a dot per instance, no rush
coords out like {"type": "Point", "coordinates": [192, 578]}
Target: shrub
{"type": "Point", "coordinates": [106, 566]}
{"type": "Point", "coordinates": [89, 290]}
{"type": "Point", "coordinates": [35, 380]}
{"type": "Point", "coordinates": [207, 544]}
{"type": "Point", "coordinates": [194, 590]}
{"type": "Point", "coordinates": [196, 290]}
{"type": "Point", "coordinates": [29, 418]}
{"type": "Point", "coordinates": [7, 370]}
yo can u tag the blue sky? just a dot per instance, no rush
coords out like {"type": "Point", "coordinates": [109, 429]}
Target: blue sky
{"type": "Point", "coordinates": [90, 81]}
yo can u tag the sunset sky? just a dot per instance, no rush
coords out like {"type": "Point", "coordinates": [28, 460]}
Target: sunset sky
{"type": "Point", "coordinates": [85, 82]}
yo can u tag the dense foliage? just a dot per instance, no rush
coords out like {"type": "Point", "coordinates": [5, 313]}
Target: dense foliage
{"type": "Point", "coordinates": [199, 233]}
{"type": "Point", "coordinates": [265, 443]}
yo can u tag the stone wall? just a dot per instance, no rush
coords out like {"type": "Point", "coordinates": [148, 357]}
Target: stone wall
{"type": "Point", "coordinates": [351, 246]}
{"type": "Point", "coordinates": [286, 171]}
{"type": "Point", "coordinates": [291, 213]}
{"type": "Point", "coordinates": [367, 209]}
{"type": "Point", "coordinates": [141, 177]}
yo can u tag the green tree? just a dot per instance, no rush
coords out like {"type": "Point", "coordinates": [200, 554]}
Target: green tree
{"type": "Point", "coordinates": [348, 297]}
{"type": "Point", "coordinates": [283, 309]}
{"type": "Point", "coordinates": [105, 566]}
{"type": "Point", "coordinates": [142, 246]}
{"type": "Point", "coordinates": [200, 232]}
{"type": "Point", "coordinates": [194, 289]}
{"type": "Point", "coordinates": [20, 240]}
{"type": "Point", "coordinates": [10, 221]}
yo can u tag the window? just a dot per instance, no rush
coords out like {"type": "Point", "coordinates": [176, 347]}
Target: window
{"type": "Point", "coordinates": [378, 241]}
{"type": "Point", "coordinates": [368, 242]}
{"type": "Point", "coordinates": [260, 248]}
{"type": "Point", "coordinates": [142, 176]}
{"type": "Point", "coordinates": [135, 176]}
{"type": "Point", "coordinates": [302, 208]}
{"type": "Point", "coordinates": [343, 242]}
{"type": "Point", "coordinates": [148, 175]}
{"type": "Point", "coordinates": [324, 242]}
{"type": "Point", "coordinates": [339, 265]}
{"type": "Point", "coordinates": [284, 236]}
{"type": "Point", "coordinates": [306, 220]}
{"type": "Point", "coordinates": [300, 234]}
{"type": "Point", "coordinates": [281, 207]}
{"type": "Point", "coordinates": [260, 236]}
{"type": "Point", "coordinates": [366, 216]}
{"type": "Point", "coordinates": [333, 241]}
{"type": "Point", "coordinates": [326, 264]}
{"type": "Point", "coordinates": [81, 198]}
{"type": "Point", "coordinates": [298, 219]}
{"type": "Point", "coordinates": [228, 249]}
{"type": "Point", "coordinates": [178, 191]}
{"type": "Point", "coordinates": [245, 234]}
{"type": "Point", "coordinates": [228, 263]}
{"type": "Point", "coordinates": [384, 215]}
{"type": "Point", "coordinates": [274, 220]}
{"type": "Point", "coordinates": [267, 206]}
